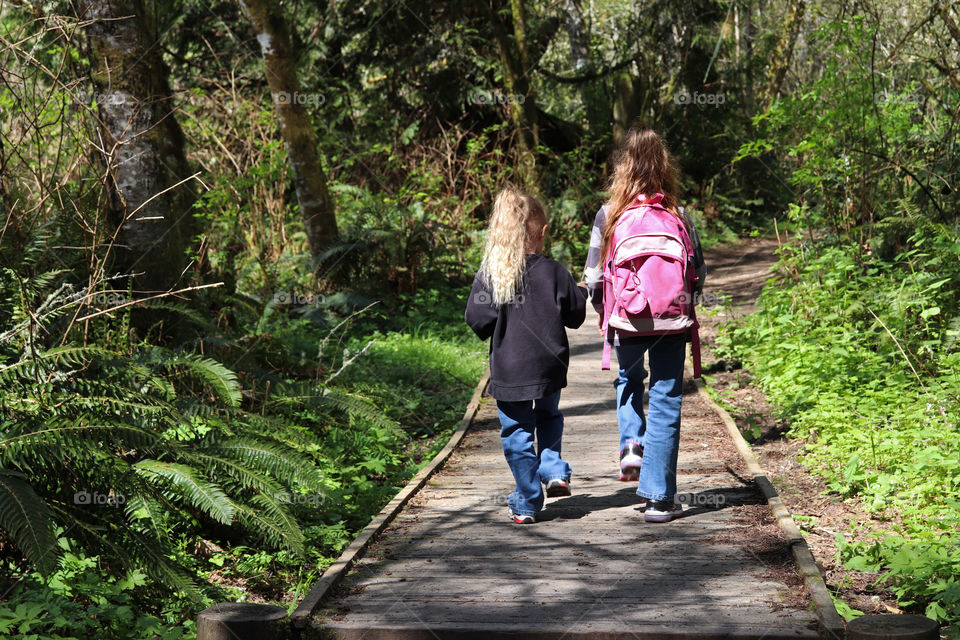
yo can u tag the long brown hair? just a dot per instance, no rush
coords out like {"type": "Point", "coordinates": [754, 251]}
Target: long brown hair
{"type": "Point", "coordinates": [641, 164]}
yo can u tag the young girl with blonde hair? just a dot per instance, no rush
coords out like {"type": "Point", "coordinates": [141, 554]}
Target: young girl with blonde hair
{"type": "Point", "coordinates": [649, 446]}
{"type": "Point", "coordinates": [522, 301]}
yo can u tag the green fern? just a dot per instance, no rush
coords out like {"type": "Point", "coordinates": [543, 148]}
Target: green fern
{"type": "Point", "coordinates": [281, 531]}
{"type": "Point", "coordinates": [221, 380]}
{"type": "Point", "coordinates": [198, 491]}
{"type": "Point", "coordinates": [286, 466]}
{"type": "Point", "coordinates": [235, 474]}
{"type": "Point", "coordinates": [27, 520]}
{"type": "Point", "coordinates": [165, 432]}
{"type": "Point", "coordinates": [334, 402]}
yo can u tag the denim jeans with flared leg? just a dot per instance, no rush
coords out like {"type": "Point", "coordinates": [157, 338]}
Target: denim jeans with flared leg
{"type": "Point", "coordinates": [521, 423]}
{"type": "Point", "coordinates": [659, 432]}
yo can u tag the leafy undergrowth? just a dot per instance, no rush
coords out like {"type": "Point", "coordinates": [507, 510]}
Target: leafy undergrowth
{"type": "Point", "coordinates": [861, 357]}
{"type": "Point", "coordinates": [233, 466]}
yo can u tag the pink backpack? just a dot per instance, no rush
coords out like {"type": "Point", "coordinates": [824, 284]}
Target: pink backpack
{"type": "Point", "coordinates": [648, 280]}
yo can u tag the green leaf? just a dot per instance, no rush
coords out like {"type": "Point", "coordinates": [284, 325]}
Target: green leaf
{"type": "Point", "coordinates": [199, 491]}
{"type": "Point", "coordinates": [222, 380]}
{"type": "Point", "coordinates": [25, 518]}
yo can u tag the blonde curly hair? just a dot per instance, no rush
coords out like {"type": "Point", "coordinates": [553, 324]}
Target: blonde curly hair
{"type": "Point", "coordinates": [515, 220]}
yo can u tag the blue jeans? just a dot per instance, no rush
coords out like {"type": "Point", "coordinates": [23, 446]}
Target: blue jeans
{"type": "Point", "coordinates": [660, 432]}
{"type": "Point", "coordinates": [519, 422]}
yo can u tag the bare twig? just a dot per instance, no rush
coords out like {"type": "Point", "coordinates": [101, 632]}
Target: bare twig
{"type": "Point", "coordinates": [154, 297]}
{"type": "Point", "coordinates": [905, 357]}
{"type": "Point", "coordinates": [347, 363]}
{"type": "Point", "coordinates": [326, 338]}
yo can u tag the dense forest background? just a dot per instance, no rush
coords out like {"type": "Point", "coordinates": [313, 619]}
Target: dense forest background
{"type": "Point", "coordinates": [237, 240]}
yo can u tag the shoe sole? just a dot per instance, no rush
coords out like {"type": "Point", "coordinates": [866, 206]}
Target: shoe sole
{"type": "Point", "coordinates": [517, 519]}
{"type": "Point", "coordinates": [661, 516]}
{"type": "Point", "coordinates": [558, 491]}
{"type": "Point", "coordinates": [630, 468]}
{"type": "Point", "coordinates": [664, 518]}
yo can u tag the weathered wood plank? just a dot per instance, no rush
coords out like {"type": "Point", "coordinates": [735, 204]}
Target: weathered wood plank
{"type": "Point", "coordinates": [623, 615]}
{"type": "Point", "coordinates": [545, 631]}
{"type": "Point", "coordinates": [452, 566]}
{"type": "Point", "coordinates": [478, 588]}
{"type": "Point", "coordinates": [748, 570]}
{"type": "Point", "coordinates": [676, 551]}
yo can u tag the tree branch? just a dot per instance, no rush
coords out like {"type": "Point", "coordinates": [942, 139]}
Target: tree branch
{"type": "Point", "coordinates": [588, 77]}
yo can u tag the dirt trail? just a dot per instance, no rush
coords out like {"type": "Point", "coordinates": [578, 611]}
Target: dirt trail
{"type": "Point", "coordinates": [741, 270]}
{"type": "Point", "coordinates": [736, 274]}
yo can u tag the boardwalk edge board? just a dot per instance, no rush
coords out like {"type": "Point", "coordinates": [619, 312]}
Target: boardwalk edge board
{"type": "Point", "coordinates": [301, 615]}
{"type": "Point", "coordinates": [830, 621]}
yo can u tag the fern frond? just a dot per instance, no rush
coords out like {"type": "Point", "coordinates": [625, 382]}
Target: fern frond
{"type": "Point", "coordinates": [188, 312]}
{"type": "Point", "coordinates": [282, 531]}
{"type": "Point", "coordinates": [101, 398]}
{"type": "Point", "coordinates": [70, 437]}
{"type": "Point", "coordinates": [287, 466]}
{"type": "Point", "coordinates": [142, 508]}
{"type": "Point", "coordinates": [298, 438]}
{"type": "Point", "coordinates": [353, 405]}
{"type": "Point", "coordinates": [199, 491]}
{"type": "Point", "coordinates": [149, 378]}
{"type": "Point", "coordinates": [222, 380]}
{"type": "Point", "coordinates": [243, 476]}
{"type": "Point", "coordinates": [25, 518]}
{"type": "Point", "coordinates": [76, 355]}
{"type": "Point", "coordinates": [156, 564]}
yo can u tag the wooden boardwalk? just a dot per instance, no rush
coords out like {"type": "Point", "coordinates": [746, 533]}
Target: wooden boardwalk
{"type": "Point", "coordinates": [451, 565]}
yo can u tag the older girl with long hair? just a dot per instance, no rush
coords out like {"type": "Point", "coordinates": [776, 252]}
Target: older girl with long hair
{"type": "Point", "coordinates": [522, 301]}
{"type": "Point", "coordinates": [649, 446]}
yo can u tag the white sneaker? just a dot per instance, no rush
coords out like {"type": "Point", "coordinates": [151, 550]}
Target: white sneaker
{"type": "Point", "coordinates": [558, 487]}
{"type": "Point", "coordinates": [522, 519]}
{"type": "Point", "coordinates": [662, 510]}
{"type": "Point", "coordinates": [631, 457]}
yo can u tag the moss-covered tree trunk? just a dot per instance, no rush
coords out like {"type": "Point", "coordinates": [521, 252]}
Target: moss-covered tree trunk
{"type": "Point", "coordinates": [142, 145]}
{"type": "Point", "coordinates": [316, 206]}
{"type": "Point", "coordinates": [625, 105]}
{"type": "Point", "coordinates": [597, 111]}
{"type": "Point", "coordinates": [522, 106]}
{"type": "Point", "coordinates": [782, 53]}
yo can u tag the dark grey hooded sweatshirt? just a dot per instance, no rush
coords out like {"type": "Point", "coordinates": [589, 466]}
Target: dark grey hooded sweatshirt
{"type": "Point", "coordinates": [529, 352]}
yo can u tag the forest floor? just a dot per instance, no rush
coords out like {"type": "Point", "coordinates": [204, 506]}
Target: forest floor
{"type": "Point", "coordinates": [737, 274]}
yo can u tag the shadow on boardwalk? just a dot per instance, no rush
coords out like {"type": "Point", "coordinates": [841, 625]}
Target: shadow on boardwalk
{"type": "Point", "coordinates": [452, 565]}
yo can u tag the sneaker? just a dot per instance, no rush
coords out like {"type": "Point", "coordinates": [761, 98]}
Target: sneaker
{"type": "Point", "coordinates": [662, 510]}
{"type": "Point", "coordinates": [521, 519]}
{"type": "Point", "coordinates": [557, 488]}
{"type": "Point", "coordinates": [630, 458]}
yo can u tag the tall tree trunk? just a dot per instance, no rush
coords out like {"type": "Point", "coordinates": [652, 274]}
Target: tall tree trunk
{"type": "Point", "coordinates": [944, 10]}
{"type": "Point", "coordinates": [598, 116]}
{"type": "Point", "coordinates": [783, 53]}
{"type": "Point", "coordinates": [522, 106]}
{"type": "Point", "coordinates": [316, 206]}
{"type": "Point", "coordinates": [624, 105]}
{"type": "Point", "coordinates": [142, 143]}
{"type": "Point", "coordinates": [748, 44]}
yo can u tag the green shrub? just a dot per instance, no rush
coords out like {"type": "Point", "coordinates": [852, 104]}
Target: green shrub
{"type": "Point", "coordinates": [861, 356]}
